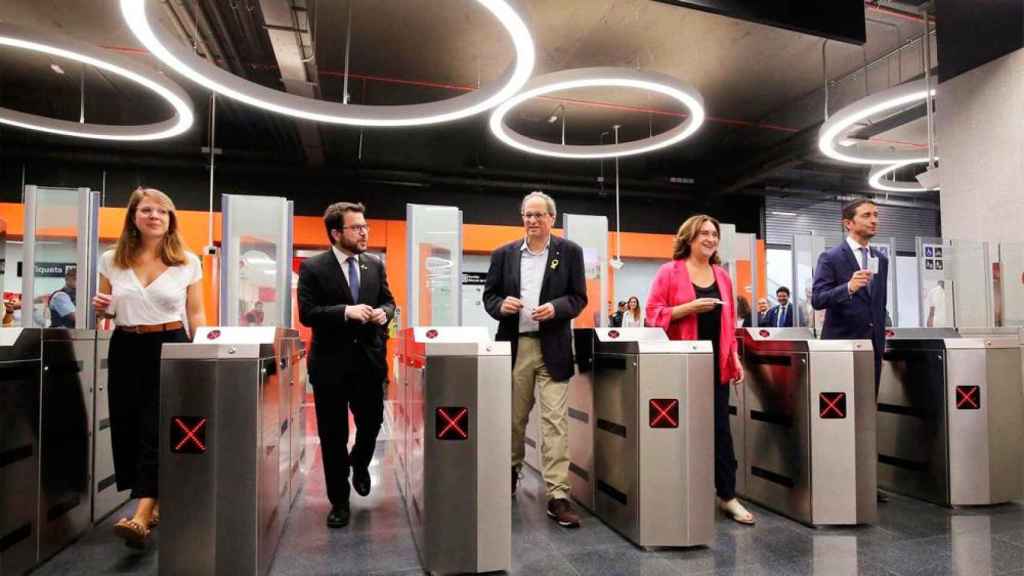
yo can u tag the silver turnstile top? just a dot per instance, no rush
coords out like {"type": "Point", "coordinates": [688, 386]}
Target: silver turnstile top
{"type": "Point", "coordinates": [230, 342]}
{"type": "Point", "coordinates": [453, 341]}
{"type": "Point", "coordinates": [644, 341]}
{"type": "Point", "coordinates": [797, 340]}
{"type": "Point", "coordinates": [954, 339]}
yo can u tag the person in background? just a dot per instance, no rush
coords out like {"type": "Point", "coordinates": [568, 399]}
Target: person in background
{"type": "Point", "coordinates": [691, 298]}
{"type": "Point", "coordinates": [254, 317]}
{"type": "Point", "coordinates": [781, 316]}
{"type": "Point", "coordinates": [762, 311]}
{"type": "Point", "coordinates": [344, 297]}
{"type": "Point", "coordinates": [937, 306]}
{"type": "Point", "coordinates": [150, 287]}
{"type": "Point", "coordinates": [534, 288]}
{"type": "Point", "coordinates": [615, 320]}
{"type": "Point", "coordinates": [62, 302]}
{"type": "Point", "coordinates": [743, 312]}
{"type": "Point", "coordinates": [633, 317]}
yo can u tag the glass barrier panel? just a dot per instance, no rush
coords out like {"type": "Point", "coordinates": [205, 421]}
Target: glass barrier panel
{"type": "Point", "coordinates": [435, 265]}
{"type": "Point", "coordinates": [256, 263]}
{"type": "Point", "coordinates": [1010, 289]}
{"type": "Point", "coordinates": [591, 233]}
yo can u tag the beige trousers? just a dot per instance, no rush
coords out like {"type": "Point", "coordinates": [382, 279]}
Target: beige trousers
{"type": "Point", "coordinates": [529, 372]}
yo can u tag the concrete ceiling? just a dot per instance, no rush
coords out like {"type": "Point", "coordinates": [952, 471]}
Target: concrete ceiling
{"type": "Point", "coordinates": [761, 85]}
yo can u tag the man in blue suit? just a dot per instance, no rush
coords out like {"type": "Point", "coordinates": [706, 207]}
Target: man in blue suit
{"type": "Point", "coordinates": [853, 297]}
{"type": "Point", "coordinates": [781, 316]}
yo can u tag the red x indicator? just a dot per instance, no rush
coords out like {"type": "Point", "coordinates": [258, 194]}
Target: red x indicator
{"type": "Point", "coordinates": [968, 397]}
{"type": "Point", "coordinates": [663, 413]}
{"type": "Point", "coordinates": [451, 423]}
{"type": "Point", "coordinates": [188, 435]}
{"type": "Point", "coordinates": [832, 405]}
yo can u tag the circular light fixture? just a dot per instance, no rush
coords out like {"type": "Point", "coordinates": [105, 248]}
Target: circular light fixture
{"type": "Point", "coordinates": [182, 59]}
{"type": "Point", "coordinates": [876, 179]}
{"type": "Point", "coordinates": [674, 88]}
{"type": "Point", "coordinates": [833, 136]}
{"type": "Point", "coordinates": [62, 47]}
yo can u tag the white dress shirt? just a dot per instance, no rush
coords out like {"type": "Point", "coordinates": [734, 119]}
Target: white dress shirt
{"type": "Point", "coordinates": [531, 277]}
{"type": "Point", "coordinates": [343, 256]}
{"type": "Point", "coordinates": [856, 251]}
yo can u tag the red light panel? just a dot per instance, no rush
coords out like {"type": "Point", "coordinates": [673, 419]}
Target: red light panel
{"type": "Point", "coordinates": [832, 405]}
{"type": "Point", "coordinates": [663, 413]}
{"type": "Point", "coordinates": [968, 397]}
{"type": "Point", "coordinates": [451, 423]}
{"type": "Point", "coordinates": [188, 435]}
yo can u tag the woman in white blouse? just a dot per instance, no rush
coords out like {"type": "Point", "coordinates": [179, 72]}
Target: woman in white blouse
{"type": "Point", "coordinates": [633, 317]}
{"type": "Point", "coordinates": [150, 286]}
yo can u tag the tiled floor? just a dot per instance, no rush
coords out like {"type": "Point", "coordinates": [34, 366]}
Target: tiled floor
{"type": "Point", "coordinates": [911, 538]}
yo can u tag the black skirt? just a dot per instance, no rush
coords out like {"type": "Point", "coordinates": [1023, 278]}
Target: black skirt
{"type": "Point", "coordinates": [134, 395]}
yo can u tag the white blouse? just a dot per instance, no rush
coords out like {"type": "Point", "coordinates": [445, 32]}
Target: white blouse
{"type": "Point", "coordinates": [161, 302]}
{"type": "Point", "coordinates": [628, 322]}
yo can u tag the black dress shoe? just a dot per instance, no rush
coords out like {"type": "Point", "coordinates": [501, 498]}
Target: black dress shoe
{"type": "Point", "coordinates": [339, 516]}
{"type": "Point", "coordinates": [361, 481]}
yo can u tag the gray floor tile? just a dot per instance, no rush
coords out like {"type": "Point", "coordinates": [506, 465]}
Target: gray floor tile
{"type": "Point", "coordinates": [617, 560]}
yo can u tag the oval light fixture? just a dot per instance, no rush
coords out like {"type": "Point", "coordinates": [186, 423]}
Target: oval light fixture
{"type": "Point", "coordinates": [182, 59]}
{"type": "Point", "coordinates": [877, 181]}
{"type": "Point", "coordinates": [62, 47]}
{"type": "Point", "coordinates": [833, 136]}
{"type": "Point", "coordinates": [674, 88]}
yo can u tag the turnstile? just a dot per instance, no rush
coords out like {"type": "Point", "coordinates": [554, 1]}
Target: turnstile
{"type": "Point", "coordinates": [225, 412]}
{"type": "Point", "coordinates": [581, 419]}
{"type": "Point", "coordinates": [737, 410]}
{"type": "Point", "coordinates": [455, 397]}
{"type": "Point", "coordinates": [809, 426]}
{"type": "Point", "coordinates": [950, 410]}
{"type": "Point", "coordinates": [105, 497]}
{"type": "Point", "coordinates": [20, 384]}
{"type": "Point", "coordinates": [653, 441]}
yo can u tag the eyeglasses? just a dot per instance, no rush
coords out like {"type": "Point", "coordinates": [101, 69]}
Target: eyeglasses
{"type": "Point", "coordinates": [534, 215]}
{"type": "Point", "coordinates": [358, 228]}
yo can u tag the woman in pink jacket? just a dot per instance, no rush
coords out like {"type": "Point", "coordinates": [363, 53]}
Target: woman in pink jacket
{"type": "Point", "coordinates": [692, 299]}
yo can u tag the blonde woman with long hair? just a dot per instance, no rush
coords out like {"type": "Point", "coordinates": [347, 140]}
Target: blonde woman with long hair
{"type": "Point", "coordinates": [150, 286]}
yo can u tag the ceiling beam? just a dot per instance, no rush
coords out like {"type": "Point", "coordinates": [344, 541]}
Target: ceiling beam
{"type": "Point", "coordinates": [787, 154]}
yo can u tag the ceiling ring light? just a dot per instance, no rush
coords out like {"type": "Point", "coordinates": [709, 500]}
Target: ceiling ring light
{"type": "Point", "coordinates": [62, 47]}
{"type": "Point", "coordinates": [877, 181]}
{"type": "Point", "coordinates": [672, 87]}
{"type": "Point", "coordinates": [839, 125]}
{"type": "Point", "coordinates": [181, 58]}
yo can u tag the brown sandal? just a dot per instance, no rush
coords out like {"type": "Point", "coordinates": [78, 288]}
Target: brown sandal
{"type": "Point", "coordinates": [133, 533]}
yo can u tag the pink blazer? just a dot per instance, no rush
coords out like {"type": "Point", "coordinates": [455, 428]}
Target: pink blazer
{"type": "Point", "coordinates": [671, 287]}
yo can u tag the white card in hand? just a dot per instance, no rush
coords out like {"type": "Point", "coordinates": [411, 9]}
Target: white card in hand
{"type": "Point", "coordinates": [873, 264]}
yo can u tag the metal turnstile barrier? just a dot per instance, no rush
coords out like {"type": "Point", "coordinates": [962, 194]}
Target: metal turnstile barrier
{"type": "Point", "coordinates": [737, 411]}
{"type": "Point", "coordinates": [809, 426]}
{"type": "Point", "coordinates": [105, 497]}
{"type": "Point", "coordinates": [21, 367]}
{"type": "Point", "coordinates": [454, 450]}
{"type": "Point", "coordinates": [581, 419]}
{"type": "Point", "coordinates": [225, 412]}
{"type": "Point", "coordinates": [653, 443]}
{"type": "Point", "coordinates": [950, 410]}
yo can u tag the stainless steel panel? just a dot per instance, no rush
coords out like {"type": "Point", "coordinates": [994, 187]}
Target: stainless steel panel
{"type": "Point", "coordinates": [19, 462]}
{"type": "Point", "coordinates": [737, 424]}
{"type": "Point", "coordinates": [616, 461]}
{"type": "Point", "coordinates": [105, 497]}
{"type": "Point", "coordinates": [494, 503]}
{"type": "Point", "coordinates": [777, 432]}
{"type": "Point", "coordinates": [675, 496]}
{"type": "Point", "coordinates": [581, 438]}
{"type": "Point", "coordinates": [1005, 404]}
{"type": "Point", "coordinates": [913, 452]}
{"type": "Point", "coordinates": [65, 500]}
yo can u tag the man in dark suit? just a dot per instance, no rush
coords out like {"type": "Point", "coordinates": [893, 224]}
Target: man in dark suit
{"type": "Point", "coordinates": [850, 283]}
{"type": "Point", "coordinates": [535, 287]}
{"type": "Point", "coordinates": [344, 297]}
{"type": "Point", "coordinates": [781, 316]}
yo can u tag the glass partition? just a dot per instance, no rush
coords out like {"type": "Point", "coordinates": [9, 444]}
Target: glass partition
{"type": "Point", "coordinates": [256, 253]}
{"type": "Point", "coordinates": [435, 265]}
{"type": "Point", "coordinates": [60, 244]}
{"type": "Point", "coordinates": [591, 233]}
{"type": "Point", "coordinates": [738, 252]}
{"type": "Point", "coordinates": [1009, 291]}
{"type": "Point", "coordinates": [806, 251]}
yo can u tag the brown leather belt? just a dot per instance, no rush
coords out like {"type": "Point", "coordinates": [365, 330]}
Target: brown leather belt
{"type": "Point", "coordinates": [151, 328]}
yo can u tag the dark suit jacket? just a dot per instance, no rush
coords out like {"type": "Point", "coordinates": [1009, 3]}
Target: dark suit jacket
{"type": "Point", "coordinates": [337, 343]}
{"type": "Point", "coordinates": [564, 286]}
{"type": "Point", "coordinates": [772, 317]}
{"type": "Point", "coordinates": [857, 316]}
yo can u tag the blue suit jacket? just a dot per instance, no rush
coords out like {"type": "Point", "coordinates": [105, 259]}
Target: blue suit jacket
{"type": "Point", "coordinates": [857, 316]}
{"type": "Point", "coordinates": [772, 317]}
